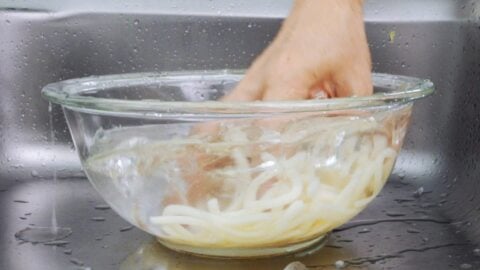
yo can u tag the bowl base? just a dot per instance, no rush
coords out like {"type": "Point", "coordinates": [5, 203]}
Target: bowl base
{"type": "Point", "coordinates": [247, 253]}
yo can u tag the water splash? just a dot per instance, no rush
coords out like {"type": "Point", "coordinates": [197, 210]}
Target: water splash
{"type": "Point", "coordinates": [53, 234]}
{"type": "Point", "coordinates": [44, 235]}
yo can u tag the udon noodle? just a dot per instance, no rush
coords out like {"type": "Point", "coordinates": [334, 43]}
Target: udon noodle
{"type": "Point", "coordinates": [269, 186]}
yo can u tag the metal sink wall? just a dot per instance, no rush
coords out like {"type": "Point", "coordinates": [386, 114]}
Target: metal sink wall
{"type": "Point", "coordinates": [47, 42]}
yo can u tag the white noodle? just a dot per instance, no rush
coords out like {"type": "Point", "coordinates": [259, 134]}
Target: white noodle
{"type": "Point", "coordinates": [301, 201]}
{"type": "Point", "coordinates": [323, 174]}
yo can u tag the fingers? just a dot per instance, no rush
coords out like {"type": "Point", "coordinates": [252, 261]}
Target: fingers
{"type": "Point", "coordinates": [351, 82]}
{"type": "Point", "coordinates": [264, 82]}
{"type": "Point", "coordinates": [355, 81]}
{"type": "Point", "coordinates": [355, 86]}
{"type": "Point", "coordinates": [249, 89]}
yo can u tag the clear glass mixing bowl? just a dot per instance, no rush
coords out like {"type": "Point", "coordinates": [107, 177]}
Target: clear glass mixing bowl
{"type": "Point", "coordinates": [233, 179]}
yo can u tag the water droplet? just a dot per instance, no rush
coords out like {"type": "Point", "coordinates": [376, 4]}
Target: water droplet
{"type": "Point", "coordinates": [20, 201]}
{"type": "Point", "coordinates": [76, 262]}
{"type": "Point", "coordinates": [102, 207]}
{"type": "Point", "coordinates": [345, 241]}
{"type": "Point", "coordinates": [364, 230]}
{"type": "Point", "coordinates": [136, 22]}
{"type": "Point", "coordinates": [413, 231]}
{"type": "Point", "coordinates": [128, 228]}
{"type": "Point", "coordinates": [67, 251]}
{"type": "Point", "coordinates": [395, 214]}
{"type": "Point", "coordinates": [34, 173]}
{"type": "Point", "coordinates": [419, 192]}
{"type": "Point", "coordinates": [466, 266]}
{"type": "Point", "coordinates": [99, 219]}
{"type": "Point", "coordinates": [400, 201]}
{"type": "Point", "coordinates": [56, 243]}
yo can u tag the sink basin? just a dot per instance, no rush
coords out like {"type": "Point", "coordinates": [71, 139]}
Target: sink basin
{"type": "Point", "coordinates": [425, 218]}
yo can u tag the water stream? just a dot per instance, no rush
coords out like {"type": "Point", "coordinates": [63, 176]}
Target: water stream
{"type": "Point", "coordinates": [48, 235]}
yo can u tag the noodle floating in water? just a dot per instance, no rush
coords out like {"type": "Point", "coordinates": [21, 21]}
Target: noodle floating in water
{"type": "Point", "coordinates": [261, 187]}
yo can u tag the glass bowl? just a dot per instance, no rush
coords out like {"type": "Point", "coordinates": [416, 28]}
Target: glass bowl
{"type": "Point", "coordinates": [233, 179]}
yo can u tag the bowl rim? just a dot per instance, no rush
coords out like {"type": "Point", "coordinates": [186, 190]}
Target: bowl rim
{"type": "Point", "coordinates": [402, 90]}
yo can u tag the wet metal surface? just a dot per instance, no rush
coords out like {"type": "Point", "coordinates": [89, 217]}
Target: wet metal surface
{"type": "Point", "coordinates": [420, 239]}
{"type": "Point", "coordinates": [426, 218]}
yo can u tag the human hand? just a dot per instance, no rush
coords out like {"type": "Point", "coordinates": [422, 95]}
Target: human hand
{"type": "Point", "coordinates": [320, 51]}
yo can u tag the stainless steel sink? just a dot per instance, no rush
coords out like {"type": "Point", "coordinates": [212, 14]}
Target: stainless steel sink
{"type": "Point", "coordinates": [426, 218]}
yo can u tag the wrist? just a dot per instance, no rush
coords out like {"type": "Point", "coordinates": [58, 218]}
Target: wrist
{"type": "Point", "coordinates": [315, 4]}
